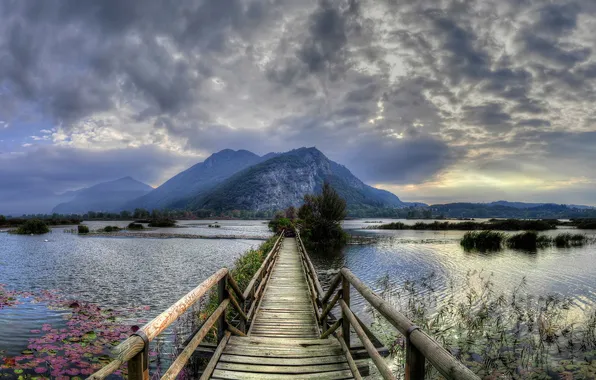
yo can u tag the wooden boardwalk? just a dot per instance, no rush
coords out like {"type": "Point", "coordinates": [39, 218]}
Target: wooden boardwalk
{"type": "Point", "coordinates": [283, 340]}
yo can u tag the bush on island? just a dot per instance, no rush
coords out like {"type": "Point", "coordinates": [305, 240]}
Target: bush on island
{"type": "Point", "coordinates": [34, 227]}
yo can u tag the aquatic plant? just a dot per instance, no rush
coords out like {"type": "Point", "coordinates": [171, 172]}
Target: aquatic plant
{"type": "Point", "coordinates": [33, 227]}
{"type": "Point", "coordinates": [509, 334]}
{"type": "Point", "coordinates": [482, 240]}
{"type": "Point", "coordinates": [82, 229]}
{"type": "Point", "coordinates": [569, 240]}
{"type": "Point", "coordinates": [493, 224]}
{"type": "Point", "coordinates": [77, 349]}
{"type": "Point", "coordinates": [528, 240]}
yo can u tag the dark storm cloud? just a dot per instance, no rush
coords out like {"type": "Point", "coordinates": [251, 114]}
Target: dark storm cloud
{"type": "Point", "coordinates": [408, 160]}
{"type": "Point", "coordinates": [490, 116]}
{"type": "Point", "coordinates": [399, 91]}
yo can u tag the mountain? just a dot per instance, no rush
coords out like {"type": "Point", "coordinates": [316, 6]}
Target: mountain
{"type": "Point", "coordinates": [284, 179]}
{"type": "Point", "coordinates": [106, 196]}
{"type": "Point", "coordinates": [196, 180]}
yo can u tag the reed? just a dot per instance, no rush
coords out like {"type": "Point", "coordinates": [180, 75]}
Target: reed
{"type": "Point", "coordinates": [497, 334]}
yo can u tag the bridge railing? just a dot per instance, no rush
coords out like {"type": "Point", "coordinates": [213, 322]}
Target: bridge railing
{"type": "Point", "coordinates": [420, 347]}
{"type": "Point", "coordinates": [135, 349]}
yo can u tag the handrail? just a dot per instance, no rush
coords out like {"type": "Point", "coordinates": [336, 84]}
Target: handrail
{"type": "Point", "coordinates": [419, 346]}
{"type": "Point", "coordinates": [135, 349]}
{"type": "Point", "coordinates": [438, 356]}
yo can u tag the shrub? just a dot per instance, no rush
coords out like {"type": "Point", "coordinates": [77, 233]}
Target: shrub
{"type": "Point", "coordinates": [135, 226]}
{"type": "Point", "coordinates": [162, 222]}
{"type": "Point", "coordinates": [82, 229]}
{"type": "Point", "coordinates": [111, 229]}
{"type": "Point", "coordinates": [279, 224]}
{"type": "Point", "coordinates": [391, 226]}
{"type": "Point", "coordinates": [33, 226]}
{"type": "Point", "coordinates": [482, 240]}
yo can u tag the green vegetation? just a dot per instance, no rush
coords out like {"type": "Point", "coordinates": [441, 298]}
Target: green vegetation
{"type": "Point", "coordinates": [2, 220]}
{"type": "Point", "coordinates": [479, 210]}
{"type": "Point", "coordinates": [493, 224]}
{"type": "Point", "coordinates": [214, 225]}
{"type": "Point", "coordinates": [584, 224]}
{"type": "Point", "coordinates": [483, 240]}
{"type": "Point", "coordinates": [33, 227]}
{"type": "Point", "coordinates": [162, 222]}
{"type": "Point", "coordinates": [569, 240]}
{"type": "Point", "coordinates": [243, 271]}
{"type": "Point", "coordinates": [135, 226]}
{"type": "Point", "coordinates": [321, 217]}
{"type": "Point", "coordinates": [529, 240]}
{"type": "Point", "coordinates": [498, 334]}
{"type": "Point", "coordinates": [82, 229]}
{"type": "Point", "coordinates": [111, 229]}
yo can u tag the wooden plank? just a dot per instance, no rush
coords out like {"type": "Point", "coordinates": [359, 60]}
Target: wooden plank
{"type": "Point", "coordinates": [291, 369]}
{"type": "Point", "coordinates": [277, 353]}
{"type": "Point", "coordinates": [336, 375]}
{"type": "Point", "coordinates": [283, 361]}
{"type": "Point", "coordinates": [284, 342]}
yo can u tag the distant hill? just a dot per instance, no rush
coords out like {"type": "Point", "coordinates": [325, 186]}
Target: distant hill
{"type": "Point", "coordinates": [502, 209]}
{"type": "Point", "coordinates": [283, 180]}
{"type": "Point", "coordinates": [106, 196]}
{"type": "Point", "coordinates": [524, 205]}
{"type": "Point", "coordinates": [196, 180]}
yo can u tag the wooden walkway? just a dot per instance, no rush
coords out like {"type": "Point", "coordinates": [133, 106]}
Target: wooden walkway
{"type": "Point", "coordinates": [283, 341]}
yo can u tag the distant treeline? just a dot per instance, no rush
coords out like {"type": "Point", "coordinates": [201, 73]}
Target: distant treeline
{"type": "Point", "coordinates": [475, 210]}
{"type": "Point", "coordinates": [493, 224]}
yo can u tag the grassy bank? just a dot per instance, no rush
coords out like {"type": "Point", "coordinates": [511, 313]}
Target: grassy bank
{"type": "Point", "coordinates": [243, 271]}
{"type": "Point", "coordinates": [498, 334]}
{"type": "Point", "coordinates": [529, 240]}
{"type": "Point", "coordinates": [497, 225]}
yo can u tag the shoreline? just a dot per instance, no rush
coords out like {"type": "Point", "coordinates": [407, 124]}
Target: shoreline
{"type": "Point", "coordinates": [166, 235]}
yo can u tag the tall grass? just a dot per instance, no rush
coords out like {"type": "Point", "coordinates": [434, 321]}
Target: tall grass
{"type": "Point", "coordinates": [498, 334]}
{"type": "Point", "coordinates": [529, 240]}
{"type": "Point", "coordinates": [483, 240]}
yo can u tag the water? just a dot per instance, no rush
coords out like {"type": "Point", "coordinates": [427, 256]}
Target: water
{"type": "Point", "coordinates": [113, 272]}
{"type": "Point", "coordinates": [411, 255]}
{"type": "Point", "coordinates": [117, 272]}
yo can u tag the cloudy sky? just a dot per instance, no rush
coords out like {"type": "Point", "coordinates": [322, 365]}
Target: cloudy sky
{"type": "Point", "coordinates": [435, 100]}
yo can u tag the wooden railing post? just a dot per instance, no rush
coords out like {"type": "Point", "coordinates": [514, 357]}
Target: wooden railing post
{"type": "Point", "coordinates": [345, 295]}
{"type": "Point", "coordinates": [415, 362]}
{"type": "Point", "coordinates": [138, 366]}
{"type": "Point", "coordinates": [222, 293]}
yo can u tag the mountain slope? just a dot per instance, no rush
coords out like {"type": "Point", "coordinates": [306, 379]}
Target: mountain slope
{"type": "Point", "coordinates": [196, 180]}
{"type": "Point", "coordinates": [106, 196]}
{"type": "Point", "coordinates": [284, 179]}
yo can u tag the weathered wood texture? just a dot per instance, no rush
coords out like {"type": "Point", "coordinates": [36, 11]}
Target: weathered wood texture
{"type": "Point", "coordinates": [284, 338]}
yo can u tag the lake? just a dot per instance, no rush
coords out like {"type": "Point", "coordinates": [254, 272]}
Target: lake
{"type": "Point", "coordinates": [145, 275]}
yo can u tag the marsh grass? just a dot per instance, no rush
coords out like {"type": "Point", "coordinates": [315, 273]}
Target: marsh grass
{"type": "Point", "coordinates": [509, 335]}
{"type": "Point", "coordinates": [483, 240]}
{"type": "Point", "coordinates": [528, 241]}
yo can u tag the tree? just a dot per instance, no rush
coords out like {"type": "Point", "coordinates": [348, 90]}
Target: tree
{"type": "Point", "coordinates": [2, 220]}
{"type": "Point", "coordinates": [34, 227]}
{"type": "Point", "coordinates": [322, 215]}
{"type": "Point", "coordinates": [291, 213]}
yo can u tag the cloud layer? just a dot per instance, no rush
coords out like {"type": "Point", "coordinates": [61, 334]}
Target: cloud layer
{"type": "Point", "coordinates": [431, 99]}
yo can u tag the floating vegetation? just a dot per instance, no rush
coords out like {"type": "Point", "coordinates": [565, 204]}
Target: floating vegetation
{"type": "Point", "coordinates": [214, 225]}
{"type": "Point", "coordinates": [82, 229]}
{"type": "Point", "coordinates": [77, 349]}
{"type": "Point", "coordinates": [529, 240]}
{"type": "Point", "coordinates": [162, 222]}
{"type": "Point", "coordinates": [509, 335]}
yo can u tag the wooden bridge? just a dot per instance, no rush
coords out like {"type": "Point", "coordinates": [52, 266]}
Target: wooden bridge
{"type": "Point", "coordinates": [282, 326]}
